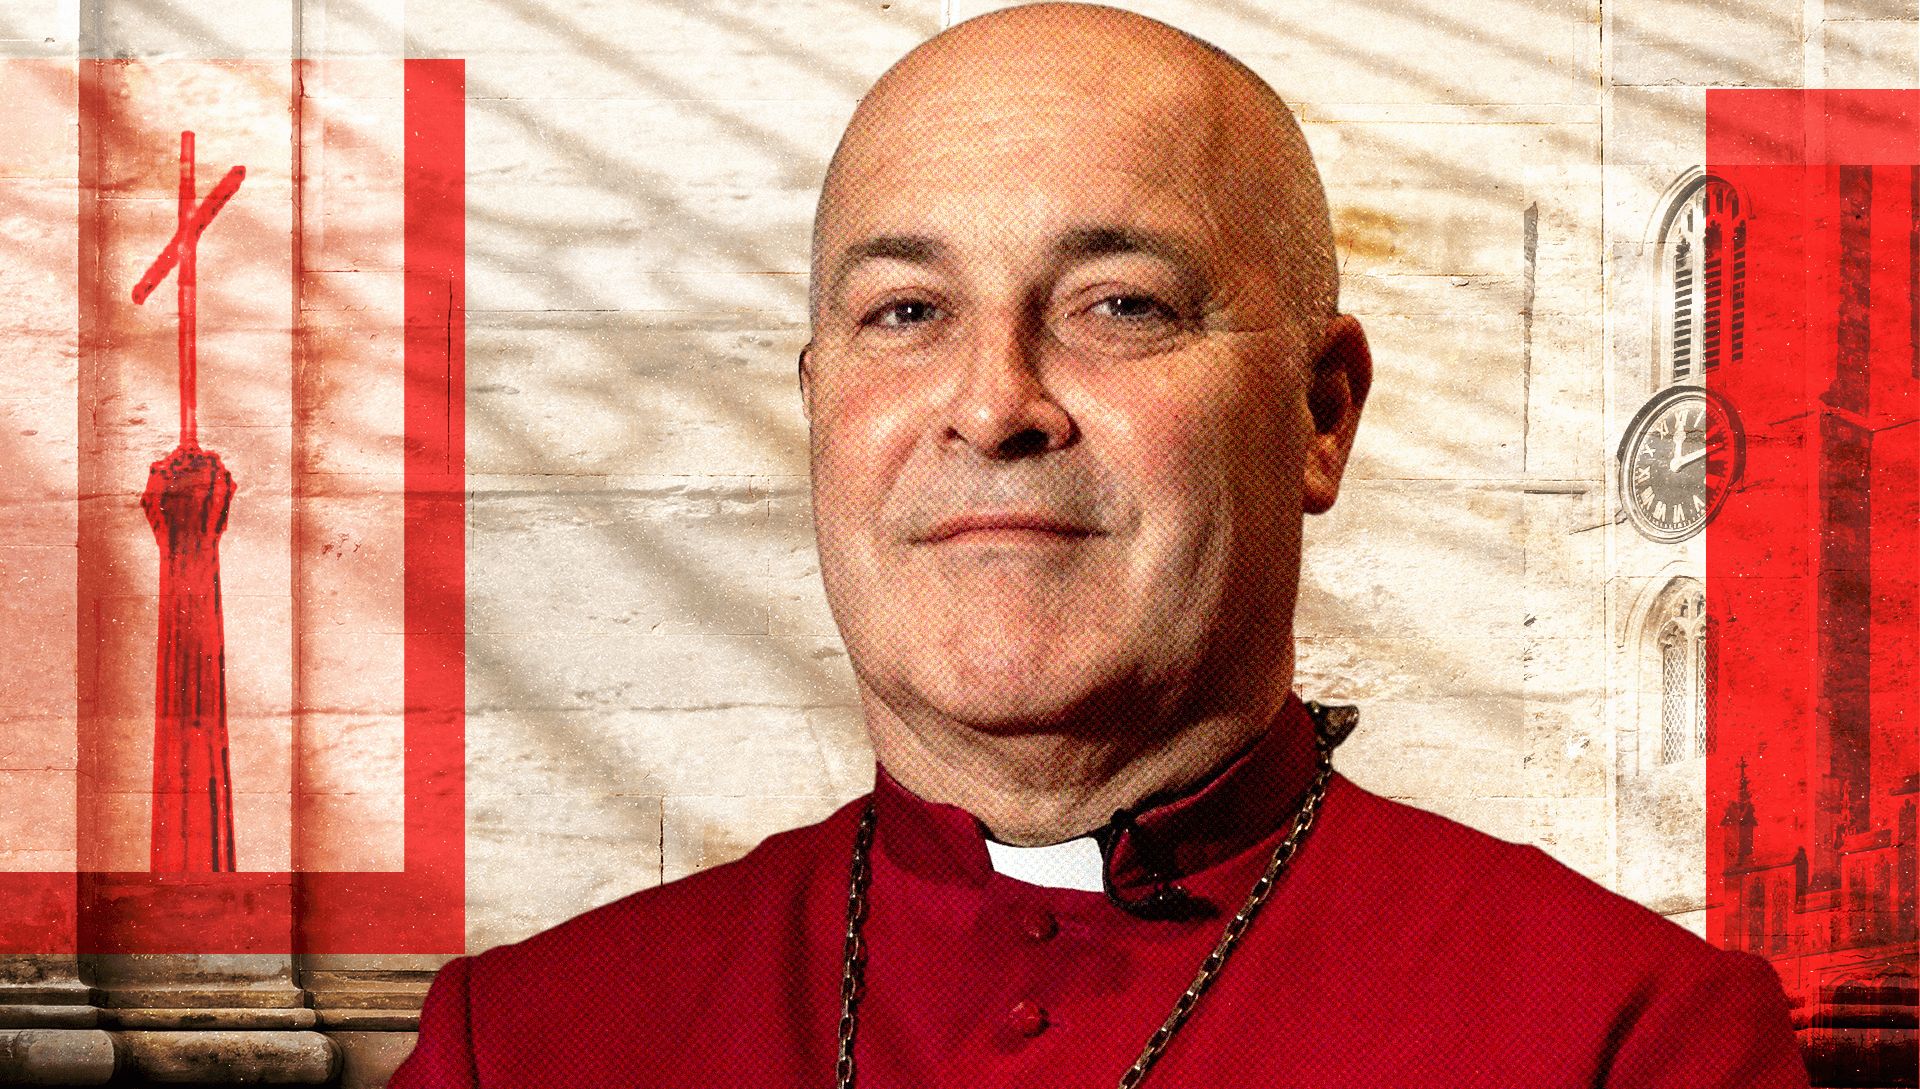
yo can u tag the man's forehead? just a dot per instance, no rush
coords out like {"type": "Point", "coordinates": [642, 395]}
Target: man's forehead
{"type": "Point", "coordinates": [1067, 73]}
{"type": "Point", "coordinates": [1032, 170]}
{"type": "Point", "coordinates": [1027, 122]}
{"type": "Point", "coordinates": [1049, 89]}
{"type": "Point", "coordinates": [973, 141]}
{"type": "Point", "coordinates": [1047, 161]}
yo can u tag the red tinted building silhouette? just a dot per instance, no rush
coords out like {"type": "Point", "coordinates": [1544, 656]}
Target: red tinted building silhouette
{"type": "Point", "coordinates": [1812, 568]}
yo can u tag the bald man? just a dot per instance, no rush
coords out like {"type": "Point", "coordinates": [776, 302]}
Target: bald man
{"type": "Point", "coordinates": [1076, 374]}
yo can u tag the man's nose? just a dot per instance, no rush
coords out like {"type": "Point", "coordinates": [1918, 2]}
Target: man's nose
{"type": "Point", "coordinates": [1002, 408]}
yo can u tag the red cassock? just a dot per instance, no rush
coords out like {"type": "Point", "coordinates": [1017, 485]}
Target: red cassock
{"type": "Point", "coordinates": [1400, 949]}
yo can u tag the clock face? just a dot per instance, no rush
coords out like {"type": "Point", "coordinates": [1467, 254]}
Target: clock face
{"type": "Point", "coordinates": [1678, 460]}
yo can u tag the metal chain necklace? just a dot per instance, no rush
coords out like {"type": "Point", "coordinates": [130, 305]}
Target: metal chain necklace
{"type": "Point", "coordinates": [854, 955]}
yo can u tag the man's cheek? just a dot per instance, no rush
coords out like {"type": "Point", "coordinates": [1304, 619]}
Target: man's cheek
{"type": "Point", "coordinates": [1171, 452]}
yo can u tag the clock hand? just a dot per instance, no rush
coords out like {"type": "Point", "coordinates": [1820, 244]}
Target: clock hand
{"type": "Point", "coordinates": [1678, 463]}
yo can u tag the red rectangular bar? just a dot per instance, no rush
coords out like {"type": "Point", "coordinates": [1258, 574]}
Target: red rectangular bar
{"type": "Point", "coordinates": [1812, 580]}
{"type": "Point", "coordinates": [420, 909]}
{"type": "Point", "coordinates": [1793, 127]}
{"type": "Point", "coordinates": [39, 913]}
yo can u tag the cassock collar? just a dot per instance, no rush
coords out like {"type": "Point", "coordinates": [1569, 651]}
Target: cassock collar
{"type": "Point", "coordinates": [1169, 837]}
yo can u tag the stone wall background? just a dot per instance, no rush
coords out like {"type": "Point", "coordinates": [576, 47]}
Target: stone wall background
{"type": "Point", "coordinates": [654, 683]}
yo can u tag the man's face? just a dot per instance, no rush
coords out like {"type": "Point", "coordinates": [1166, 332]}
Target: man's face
{"type": "Point", "coordinates": [1059, 415]}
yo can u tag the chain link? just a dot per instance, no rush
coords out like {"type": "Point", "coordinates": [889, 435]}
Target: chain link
{"type": "Point", "coordinates": [1230, 937]}
{"type": "Point", "coordinates": [854, 962]}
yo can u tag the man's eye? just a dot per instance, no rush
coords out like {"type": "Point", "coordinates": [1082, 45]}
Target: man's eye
{"type": "Point", "coordinates": [1131, 308]}
{"type": "Point", "coordinates": [908, 312]}
{"type": "Point", "coordinates": [1123, 323]}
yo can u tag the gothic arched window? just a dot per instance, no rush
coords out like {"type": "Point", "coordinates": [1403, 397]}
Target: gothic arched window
{"type": "Point", "coordinates": [1782, 905]}
{"type": "Point", "coordinates": [1676, 693]}
{"type": "Point", "coordinates": [1683, 658]}
{"type": "Point", "coordinates": [1704, 278]}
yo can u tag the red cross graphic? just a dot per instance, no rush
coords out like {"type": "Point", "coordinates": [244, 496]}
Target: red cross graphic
{"type": "Point", "coordinates": [181, 250]}
{"type": "Point", "coordinates": [186, 502]}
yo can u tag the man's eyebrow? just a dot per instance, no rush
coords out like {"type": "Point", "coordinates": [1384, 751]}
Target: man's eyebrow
{"type": "Point", "coordinates": [1077, 244]}
{"type": "Point", "coordinates": [1086, 243]}
{"type": "Point", "coordinates": [913, 249]}
{"type": "Point", "coordinates": [1102, 241]}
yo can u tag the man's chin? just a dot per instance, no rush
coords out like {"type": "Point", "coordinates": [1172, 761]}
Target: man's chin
{"type": "Point", "coordinates": [1010, 705]}
{"type": "Point", "coordinates": [1007, 669]}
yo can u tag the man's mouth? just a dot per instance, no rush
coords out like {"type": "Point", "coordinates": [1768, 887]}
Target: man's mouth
{"type": "Point", "coordinates": [1007, 527]}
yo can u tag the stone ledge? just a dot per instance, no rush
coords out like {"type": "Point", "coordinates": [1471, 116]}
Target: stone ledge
{"type": "Point", "coordinates": [57, 1057]}
{"type": "Point", "coordinates": [270, 1057]}
{"type": "Point", "coordinates": [29, 1016]}
{"type": "Point", "coordinates": [48, 992]}
{"type": "Point", "coordinates": [362, 1056]}
{"type": "Point", "coordinates": [369, 999]}
{"type": "Point", "coordinates": [200, 997]}
{"type": "Point", "coordinates": [345, 1024]}
{"type": "Point", "coordinates": [369, 1020]}
{"type": "Point", "coordinates": [209, 1019]}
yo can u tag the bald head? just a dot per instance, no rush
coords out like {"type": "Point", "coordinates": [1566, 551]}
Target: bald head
{"type": "Point", "coordinates": [1199, 120]}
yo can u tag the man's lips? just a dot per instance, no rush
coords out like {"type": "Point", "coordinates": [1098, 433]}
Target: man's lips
{"type": "Point", "coordinates": [1005, 525]}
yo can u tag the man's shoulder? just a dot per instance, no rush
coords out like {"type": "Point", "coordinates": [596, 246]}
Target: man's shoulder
{"type": "Point", "coordinates": [681, 920]}
{"type": "Point", "coordinates": [1443, 884]}
{"type": "Point", "coordinates": [619, 994]}
{"type": "Point", "coordinates": [1494, 957]}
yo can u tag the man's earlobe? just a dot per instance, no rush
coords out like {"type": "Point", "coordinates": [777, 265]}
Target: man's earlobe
{"type": "Point", "coordinates": [806, 384]}
{"type": "Point", "coordinates": [1337, 390]}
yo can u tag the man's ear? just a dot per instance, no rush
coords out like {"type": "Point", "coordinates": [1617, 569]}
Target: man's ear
{"type": "Point", "coordinates": [1336, 391]}
{"type": "Point", "coordinates": [806, 384]}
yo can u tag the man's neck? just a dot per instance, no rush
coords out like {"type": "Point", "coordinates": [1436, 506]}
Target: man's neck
{"type": "Point", "coordinates": [1040, 788]}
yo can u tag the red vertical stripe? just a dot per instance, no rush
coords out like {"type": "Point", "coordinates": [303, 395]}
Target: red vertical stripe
{"type": "Point", "coordinates": [423, 910]}
{"type": "Point", "coordinates": [436, 589]}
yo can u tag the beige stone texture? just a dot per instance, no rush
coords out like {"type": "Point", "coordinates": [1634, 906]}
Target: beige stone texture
{"type": "Point", "coordinates": [234, 29]}
{"type": "Point", "coordinates": [1355, 52]}
{"type": "Point", "coordinates": [36, 817]}
{"type": "Point", "coordinates": [30, 742]}
{"type": "Point", "coordinates": [700, 395]}
{"type": "Point", "coordinates": [535, 859]}
{"type": "Point", "coordinates": [654, 679]}
{"type": "Point", "coordinates": [356, 830]}
{"type": "Point", "coordinates": [699, 832]}
{"type": "Point", "coordinates": [1674, 42]}
{"type": "Point", "coordinates": [262, 828]}
{"type": "Point", "coordinates": [370, 1058]}
{"type": "Point", "coordinates": [37, 625]}
{"type": "Point", "coordinates": [1872, 52]}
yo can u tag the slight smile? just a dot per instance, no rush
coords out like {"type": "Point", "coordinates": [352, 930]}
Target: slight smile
{"type": "Point", "coordinates": [1006, 527]}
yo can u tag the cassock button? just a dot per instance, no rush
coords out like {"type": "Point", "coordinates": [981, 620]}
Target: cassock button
{"type": "Point", "coordinates": [1037, 925]}
{"type": "Point", "coordinates": [1027, 1019]}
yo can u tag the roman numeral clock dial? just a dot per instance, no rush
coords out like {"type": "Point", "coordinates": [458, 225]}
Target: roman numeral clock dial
{"type": "Point", "coordinates": [1680, 457]}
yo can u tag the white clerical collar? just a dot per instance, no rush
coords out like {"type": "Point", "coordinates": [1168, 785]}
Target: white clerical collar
{"type": "Point", "coordinates": [1075, 864]}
